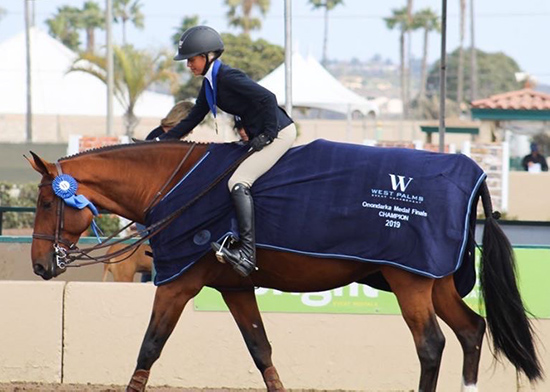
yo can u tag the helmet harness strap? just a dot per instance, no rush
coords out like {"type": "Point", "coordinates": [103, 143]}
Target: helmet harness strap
{"type": "Point", "coordinates": [210, 58]}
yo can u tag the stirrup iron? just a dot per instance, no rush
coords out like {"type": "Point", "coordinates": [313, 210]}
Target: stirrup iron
{"type": "Point", "coordinates": [219, 253]}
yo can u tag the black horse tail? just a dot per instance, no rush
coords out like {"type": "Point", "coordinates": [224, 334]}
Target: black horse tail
{"type": "Point", "coordinates": [511, 331]}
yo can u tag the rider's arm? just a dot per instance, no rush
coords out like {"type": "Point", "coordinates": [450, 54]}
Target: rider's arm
{"type": "Point", "coordinates": [264, 99]}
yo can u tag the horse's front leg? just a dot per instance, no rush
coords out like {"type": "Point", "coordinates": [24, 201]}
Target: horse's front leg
{"type": "Point", "coordinates": [170, 299]}
{"type": "Point", "coordinates": [244, 308]}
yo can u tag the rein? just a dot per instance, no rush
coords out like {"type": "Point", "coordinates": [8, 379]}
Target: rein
{"type": "Point", "coordinates": [85, 253]}
{"type": "Point", "coordinates": [66, 256]}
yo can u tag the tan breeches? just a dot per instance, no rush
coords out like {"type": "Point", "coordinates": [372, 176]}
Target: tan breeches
{"type": "Point", "coordinates": [261, 161]}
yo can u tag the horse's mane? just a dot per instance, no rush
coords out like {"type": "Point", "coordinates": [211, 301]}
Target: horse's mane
{"type": "Point", "coordinates": [115, 147]}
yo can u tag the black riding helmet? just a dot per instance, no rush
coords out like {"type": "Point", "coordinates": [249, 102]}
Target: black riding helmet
{"type": "Point", "coordinates": [199, 40]}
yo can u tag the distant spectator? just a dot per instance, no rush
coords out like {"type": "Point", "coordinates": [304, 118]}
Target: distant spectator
{"type": "Point", "coordinates": [534, 162]}
{"type": "Point", "coordinates": [174, 116]}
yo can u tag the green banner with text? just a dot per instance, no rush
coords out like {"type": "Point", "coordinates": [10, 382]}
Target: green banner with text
{"type": "Point", "coordinates": [533, 269]}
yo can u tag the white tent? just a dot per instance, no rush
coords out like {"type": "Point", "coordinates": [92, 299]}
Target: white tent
{"type": "Point", "coordinates": [314, 87]}
{"type": "Point", "coordinates": [54, 91]}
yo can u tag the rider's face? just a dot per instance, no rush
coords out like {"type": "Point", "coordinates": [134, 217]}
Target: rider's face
{"type": "Point", "coordinates": [196, 64]}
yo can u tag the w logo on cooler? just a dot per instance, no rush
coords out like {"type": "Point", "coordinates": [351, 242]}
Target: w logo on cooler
{"type": "Point", "coordinates": [399, 182]}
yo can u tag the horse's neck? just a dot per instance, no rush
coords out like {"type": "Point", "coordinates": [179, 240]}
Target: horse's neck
{"type": "Point", "coordinates": [126, 181]}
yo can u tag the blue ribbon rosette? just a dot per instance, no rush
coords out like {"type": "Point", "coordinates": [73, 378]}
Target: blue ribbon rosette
{"type": "Point", "coordinates": [65, 187]}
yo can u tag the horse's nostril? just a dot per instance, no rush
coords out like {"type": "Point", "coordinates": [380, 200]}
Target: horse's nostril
{"type": "Point", "coordinates": [42, 272]}
{"type": "Point", "coordinates": [38, 269]}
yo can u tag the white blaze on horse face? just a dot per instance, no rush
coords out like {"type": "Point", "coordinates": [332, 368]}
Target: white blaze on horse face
{"type": "Point", "coordinates": [468, 388]}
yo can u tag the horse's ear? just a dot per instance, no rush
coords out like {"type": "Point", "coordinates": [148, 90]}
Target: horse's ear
{"type": "Point", "coordinates": [38, 164]}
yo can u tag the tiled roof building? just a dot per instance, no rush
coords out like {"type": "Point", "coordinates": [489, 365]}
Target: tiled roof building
{"type": "Point", "coordinates": [523, 105]}
{"type": "Point", "coordinates": [526, 99]}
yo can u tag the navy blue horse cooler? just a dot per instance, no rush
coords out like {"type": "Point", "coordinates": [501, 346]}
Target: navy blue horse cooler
{"type": "Point", "coordinates": [412, 209]}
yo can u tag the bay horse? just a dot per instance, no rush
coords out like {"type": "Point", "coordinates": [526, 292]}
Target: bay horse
{"type": "Point", "coordinates": [125, 179]}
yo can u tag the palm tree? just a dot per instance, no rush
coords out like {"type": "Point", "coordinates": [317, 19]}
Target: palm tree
{"type": "Point", "coordinates": [64, 26]}
{"type": "Point", "coordinates": [473, 52]}
{"type": "Point", "coordinates": [409, 50]}
{"type": "Point", "coordinates": [135, 71]}
{"type": "Point", "coordinates": [245, 20]}
{"type": "Point", "coordinates": [328, 5]}
{"type": "Point", "coordinates": [400, 20]}
{"type": "Point", "coordinates": [427, 20]}
{"type": "Point", "coordinates": [460, 85]}
{"type": "Point", "coordinates": [91, 17]}
{"type": "Point", "coordinates": [128, 11]}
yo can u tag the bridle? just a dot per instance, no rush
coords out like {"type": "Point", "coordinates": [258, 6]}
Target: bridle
{"type": "Point", "coordinates": [59, 251]}
{"type": "Point", "coordinates": [66, 256]}
{"type": "Point", "coordinates": [57, 239]}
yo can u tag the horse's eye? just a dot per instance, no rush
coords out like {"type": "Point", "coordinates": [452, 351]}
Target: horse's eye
{"type": "Point", "coordinates": [47, 205]}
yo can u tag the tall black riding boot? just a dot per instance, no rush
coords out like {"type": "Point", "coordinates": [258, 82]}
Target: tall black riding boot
{"type": "Point", "coordinates": [242, 256]}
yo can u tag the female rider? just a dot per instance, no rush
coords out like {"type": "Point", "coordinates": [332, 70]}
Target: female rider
{"type": "Point", "coordinates": [270, 130]}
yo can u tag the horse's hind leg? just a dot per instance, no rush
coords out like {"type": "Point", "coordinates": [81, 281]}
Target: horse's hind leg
{"type": "Point", "coordinates": [170, 299]}
{"type": "Point", "coordinates": [414, 294]}
{"type": "Point", "coordinates": [244, 308]}
{"type": "Point", "coordinates": [468, 326]}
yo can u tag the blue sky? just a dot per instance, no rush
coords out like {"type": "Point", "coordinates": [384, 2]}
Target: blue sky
{"type": "Point", "coordinates": [357, 30]}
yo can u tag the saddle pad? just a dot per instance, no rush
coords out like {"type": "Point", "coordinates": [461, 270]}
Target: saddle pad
{"type": "Point", "coordinates": [408, 208]}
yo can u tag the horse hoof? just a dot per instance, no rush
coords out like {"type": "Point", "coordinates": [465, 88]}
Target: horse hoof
{"type": "Point", "coordinates": [138, 381]}
{"type": "Point", "coordinates": [272, 380]}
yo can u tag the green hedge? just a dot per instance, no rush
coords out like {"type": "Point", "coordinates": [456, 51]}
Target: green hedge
{"type": "Point", "coordinates": [107, 223]}
{"type": "Point", "coordinates": [12, 195]}
{"type": "Point", "coordinates": [26, 195]}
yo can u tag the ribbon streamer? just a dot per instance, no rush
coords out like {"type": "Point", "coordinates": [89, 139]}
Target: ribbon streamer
{"type": "Point", "coordinates": [65, 187]}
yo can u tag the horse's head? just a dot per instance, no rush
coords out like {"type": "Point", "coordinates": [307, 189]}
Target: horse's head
{"type": "Point", "coordinates": [57, 226]}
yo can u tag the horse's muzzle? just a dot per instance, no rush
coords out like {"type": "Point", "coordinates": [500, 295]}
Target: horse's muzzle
{"type": "Point", "coordinates": [47, 273]}
{"type": "Point", "coordinates": [42, 272]}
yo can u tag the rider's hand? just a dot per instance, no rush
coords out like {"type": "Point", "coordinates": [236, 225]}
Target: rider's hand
{"type": "Point", "coordinates": [260, 141]}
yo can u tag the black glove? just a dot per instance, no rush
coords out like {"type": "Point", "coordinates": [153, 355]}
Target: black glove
{"type": "Point", "coordinates": [260, 141]}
